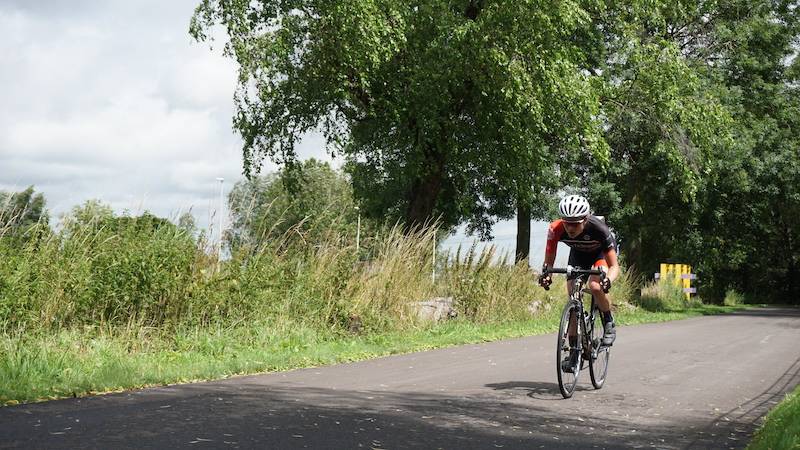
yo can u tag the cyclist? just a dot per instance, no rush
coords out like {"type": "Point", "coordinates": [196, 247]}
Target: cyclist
{"type": "Point", "coordinates": [592, 246]}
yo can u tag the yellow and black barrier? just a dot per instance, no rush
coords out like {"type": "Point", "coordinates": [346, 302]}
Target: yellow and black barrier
{"type": "Point", "coordinates": [681, 275]}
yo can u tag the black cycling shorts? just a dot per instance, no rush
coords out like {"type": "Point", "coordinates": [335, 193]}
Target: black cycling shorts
{"type": "Point", "coordinates": [586, 261]}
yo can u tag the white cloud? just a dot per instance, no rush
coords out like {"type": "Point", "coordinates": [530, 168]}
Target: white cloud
{"type": "Point", "coordinates": [110, 100]}
{"type": "Point", "coordinates": [114, 101]}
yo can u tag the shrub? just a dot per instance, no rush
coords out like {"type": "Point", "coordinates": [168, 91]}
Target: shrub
{"type": "Point", "coordinates": [733, 298]}
{"type": "Point", "coordinates": [95, 275]}
{"type": "Point", "coordinates": [664, 296]}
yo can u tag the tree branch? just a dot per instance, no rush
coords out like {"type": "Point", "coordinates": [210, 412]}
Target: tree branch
{"type": "Point", "coordinates": [473, 9]}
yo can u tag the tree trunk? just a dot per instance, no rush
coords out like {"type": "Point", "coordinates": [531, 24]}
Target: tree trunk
{"type": "Point", "coordinates": [633, 251]}
{"type": "Point", "coordinates": [523, 233]}
{"type": "Point", "coordinates": [422, 200]}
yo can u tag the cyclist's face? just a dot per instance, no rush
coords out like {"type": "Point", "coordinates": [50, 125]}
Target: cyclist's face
{"type": "Point", "coordinates": [574, 228]}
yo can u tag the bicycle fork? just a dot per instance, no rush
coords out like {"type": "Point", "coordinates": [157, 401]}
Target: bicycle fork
{"type": "Point", "coordinates": [587, 338]}
{"type": "Point", "coordinates": [572, 329]}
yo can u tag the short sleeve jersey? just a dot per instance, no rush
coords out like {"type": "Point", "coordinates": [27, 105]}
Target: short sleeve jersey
{"type": "Point", "coordinates": [596, 238]}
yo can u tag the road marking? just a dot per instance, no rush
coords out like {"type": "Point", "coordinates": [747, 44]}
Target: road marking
{"type": "Point", "coordinates": [764, 341]}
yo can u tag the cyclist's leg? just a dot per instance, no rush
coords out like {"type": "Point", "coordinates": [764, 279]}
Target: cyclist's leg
{"type": "Point", "coordinates": [603, 304]}
{"type": "Point", "coordinates": [579, 260]}
{"type": "Point", "coordinates": [603, 300]}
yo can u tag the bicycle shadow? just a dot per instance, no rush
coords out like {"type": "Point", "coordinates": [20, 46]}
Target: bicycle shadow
{"type": "Point", "coordinates": [539, 390]}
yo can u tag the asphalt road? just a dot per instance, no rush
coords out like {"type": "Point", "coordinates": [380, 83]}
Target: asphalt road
{"type": "Point", "coordinates": [697, 383]}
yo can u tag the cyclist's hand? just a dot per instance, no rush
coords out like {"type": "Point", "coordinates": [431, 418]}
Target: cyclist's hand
{"type": "Point", "coordinates": [605, 283]}
{"type": "Point", "coordinates": [545, 280]}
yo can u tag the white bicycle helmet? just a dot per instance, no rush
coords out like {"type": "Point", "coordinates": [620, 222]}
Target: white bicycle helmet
{"type": "Point", "coordinates": [573, 208]}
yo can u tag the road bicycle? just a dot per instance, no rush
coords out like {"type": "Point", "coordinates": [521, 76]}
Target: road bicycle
{"type": "Point", "coordinates": [588, 333]}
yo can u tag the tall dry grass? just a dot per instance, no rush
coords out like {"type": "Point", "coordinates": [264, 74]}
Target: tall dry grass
{"type": "Point", "coordinates": [486, 291]}
{"type": "Point", "coordinates": [138, 273]}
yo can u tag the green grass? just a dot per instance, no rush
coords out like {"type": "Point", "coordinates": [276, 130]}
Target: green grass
{"type": "Point", "coordinates": [81, 362]}
{"type": "Point", "coordinates": [781, 428]}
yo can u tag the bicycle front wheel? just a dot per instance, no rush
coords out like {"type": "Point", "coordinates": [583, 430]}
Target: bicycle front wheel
{"type": "Point", "coordinates": [567, 376]}
{"type": "Point", "coordinates": [598, 363]}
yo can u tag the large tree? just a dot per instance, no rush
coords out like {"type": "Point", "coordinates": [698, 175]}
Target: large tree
{"type": "Point", "coordinates": [665, 126]}
{"type": "Point", "coordinates": [450, 110]}
{"type": "Point", "coordinates": [701, 127]}
{"type": "Point", "coordinates": [751, 200]}
{"type": "Point", "coordinates": [664, 123]}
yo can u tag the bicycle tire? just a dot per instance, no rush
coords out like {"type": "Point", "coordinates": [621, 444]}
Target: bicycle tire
{"type": "Point", "coordinates": [600, 354]}
{"type": "Point", "coordinates": [566, 380]}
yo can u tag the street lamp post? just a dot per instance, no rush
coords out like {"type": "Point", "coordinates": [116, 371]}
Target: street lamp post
{"type": "Point", "coordinates": [358, 229]}
{"type": "Point", "coordinates": [433, 270]}
{"type": "Point", "coordinates": [220, 212]}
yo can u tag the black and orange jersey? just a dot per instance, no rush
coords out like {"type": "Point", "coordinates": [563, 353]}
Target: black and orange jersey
{"type": "Point", "coordinates": [596, 238]}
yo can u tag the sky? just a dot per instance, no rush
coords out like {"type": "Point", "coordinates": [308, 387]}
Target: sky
{"type": "Point", "coordinates": [113, 100]}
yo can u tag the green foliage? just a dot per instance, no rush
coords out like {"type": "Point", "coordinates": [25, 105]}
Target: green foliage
{"type": "Point", "coordinates": [733, 298]}
{"type": "Point", "coordinates": [319, 204]}
{"type": "Point", "coordinates": [383, 289]}
{"type": "Point", "coordinates": [781, 428]}
{"type": "Point", "coordinates": [90, 212]}
{"type": "Point", "coordinates": [702, 123]}
{"type": "Point", "coordinates": [754, 186]}
{"type": "Point", "coordinates": [141, 269]}
{"type": "Point", "coordinates": [485, 292]}
{"type": "Point", "coordinates": [146, 272]}
{"type": "Point", "coordinates": [664, 296]}
{"type": "Point", "coordinates": [664, 127]}
{"type": "Point", "coordinates": [120, 270]}
{"type": "Point", "coordinates": [23, 217]}
{"type": "Point", "coordinates": [448, 110]}
{"type": "Point", "coordinates": [757, 191]}
{"type": "Point", "coordinates": [678, 119]}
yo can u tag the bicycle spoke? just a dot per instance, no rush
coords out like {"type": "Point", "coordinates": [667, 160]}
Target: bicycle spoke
{"type": "Point", "coordinates": [598, 367]}
{"type": "Point", "coordinates": [567, 379]}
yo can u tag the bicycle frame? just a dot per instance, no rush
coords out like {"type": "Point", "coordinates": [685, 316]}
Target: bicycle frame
{"type": "Point", "coordinates": [587, 316]}
{"type": "Point", "coordinates": [583, 331]}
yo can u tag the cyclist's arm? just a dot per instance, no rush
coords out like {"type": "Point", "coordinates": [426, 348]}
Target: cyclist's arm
{"type": "Point", "coordinates": [553, 236]}
{"type": "Point", "coordinates": [549, 259]}
{"type": "Point", "coordinates": [613, 263]}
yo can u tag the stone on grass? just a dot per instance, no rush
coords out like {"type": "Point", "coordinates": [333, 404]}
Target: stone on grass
{"type": "Point", "coordinates": [435, 309]}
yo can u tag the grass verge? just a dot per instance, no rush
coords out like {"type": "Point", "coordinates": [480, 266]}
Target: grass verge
{"type": "Point", "coordinates": [125, 302]}
{"type": "Point", "coordinates": [80, 362]}
{"type": "Point", "coordinates": [781, 428]}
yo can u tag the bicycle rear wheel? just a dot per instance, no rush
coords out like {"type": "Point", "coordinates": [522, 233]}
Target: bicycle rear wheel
{"type": "Point", "coordinates": [567, 380]}
{"type": "Point", "coordinates": [598, 363]}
